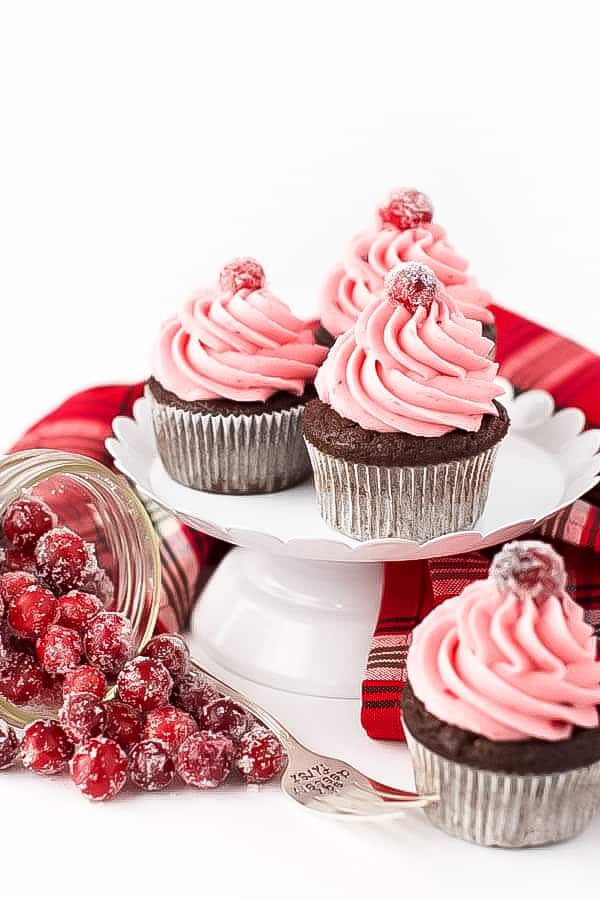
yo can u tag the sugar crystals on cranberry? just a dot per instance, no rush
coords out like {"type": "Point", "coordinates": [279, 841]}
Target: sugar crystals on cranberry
{"type": "Point", "coordinates": [172, 651]}
{"type": "Point", "coordinates": [85, 680]}
{"type": "Point", "coordinates": [529, 568]}
{"type": "Point", "coordinates": [243, 273]}
{"type": "Point", "coordinates": [64, 560]}
{"type": "Point", "coordinates": [406, 208]}
{"type": "Point", "coordinates": [169, 725]}
{"type": "Point", "coordinates": [144, 683]}
{"type": "Point", "coordinates": [192, 692]}
{"type": "Point", "coordinates": [108, 642]}
{"type": "Point", "coordinates": [26, 520]}
{"type": "Point", "coordinates": [76, 609]}
{"type": "Point", "coordinates": [58, 650]}
{"type": "Point", "coordinates": [99, 768]}
{"type": "Point", "coordinates": [83, 716]}
{"type": "Point", "coordinates": [21, 679]}
{"type": "Point", "coordinates": [412, 285]}
{"type": "Point", "coordinates": [151, 766]}
{"type": "Point", "coordinates": [259, 756]}
{"type": "Point", "coordinates": [223, 716]}
{"type": "Point", "coordinates": [204, 759]}
{"type": "Point", "coordinates": [32, 611]}
{"type": "Point", "coordinates": [46, 748]}
{"type": "Point", "coordinates": [13, 583]}
{"type": "Point", "coordinates": [124, 724]}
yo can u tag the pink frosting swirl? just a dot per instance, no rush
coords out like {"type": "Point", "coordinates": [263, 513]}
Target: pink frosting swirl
{"type": "Point", "coordinates": [245, 347]}
{"type": "Point", "coordinates": [372, 253]}
{"type": "Point", "coordinates": [507, 668]}
{"type": "Point", "coordinates": [424, 372]}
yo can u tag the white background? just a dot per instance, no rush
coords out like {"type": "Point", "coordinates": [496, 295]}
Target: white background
{"type": "Point", "coordinates": [144, 143]}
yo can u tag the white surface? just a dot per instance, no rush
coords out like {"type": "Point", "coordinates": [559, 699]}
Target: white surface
{"type": "Point", "coordinates": [543, 465]}
{"type": "Point", "coordinates": [144, 143]}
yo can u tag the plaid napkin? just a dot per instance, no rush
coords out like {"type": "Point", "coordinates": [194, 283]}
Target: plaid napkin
{"type": "Point", "coordinates": [530, 357]}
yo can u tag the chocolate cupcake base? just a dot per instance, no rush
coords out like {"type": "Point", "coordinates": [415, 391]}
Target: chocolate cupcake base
{"type": "Point", "coordinates": [230, 451]}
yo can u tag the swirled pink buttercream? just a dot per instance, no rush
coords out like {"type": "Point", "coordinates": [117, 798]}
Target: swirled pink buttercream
{"type": "Point", "coordinates": [372, 253]}
{"type": "Point", "coordinates": [506, 667]}
{"type": "Point", "coordinates": [423, 373]}
{"type": "Point", "coordinates": [244, 346]}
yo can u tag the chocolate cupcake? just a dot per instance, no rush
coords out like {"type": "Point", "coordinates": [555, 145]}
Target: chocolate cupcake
{"type": "Point", "coordinates": [405, 431]}
{"type": "Point", "coordinates": [501, 708]}
{"type": "Point", "coordinates": [232, 372]}
{"type": "Point", "coordinates": [404, 231]}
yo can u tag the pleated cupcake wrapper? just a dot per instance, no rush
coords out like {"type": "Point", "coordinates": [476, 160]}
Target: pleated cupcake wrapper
{"type": "Point", "coordinates": [412, 502]}
{"type": "Point", "coordinates": [253, 454]}
{"type": "Point", "coordinates": [496, 809]}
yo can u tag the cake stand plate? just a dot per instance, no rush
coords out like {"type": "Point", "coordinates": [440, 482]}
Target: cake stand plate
{"type": "Point", "coordinates": [293, 606]}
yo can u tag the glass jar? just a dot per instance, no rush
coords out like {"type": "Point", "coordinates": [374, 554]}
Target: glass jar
{"type": "Point", "coordinates": [101, 507]}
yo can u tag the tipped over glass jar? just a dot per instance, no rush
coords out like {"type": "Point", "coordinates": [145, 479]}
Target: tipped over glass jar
{"type": "Point", "coordinates": [123, 563]}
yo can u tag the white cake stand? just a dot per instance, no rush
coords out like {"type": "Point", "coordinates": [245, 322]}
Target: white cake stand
{"type": "Point", "coordinates": [293, 606]}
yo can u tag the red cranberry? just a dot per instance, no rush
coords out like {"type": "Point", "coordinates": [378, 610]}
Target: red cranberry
{"type": "Point", "coordinates": [9, 745]}
{"type": "Point", "coordinates": [21, 679]}
{"type": "Point", "coordinates": [108, 642]}
{"type": "Point", "coordinates": [151, 766]}
{"type": "Point", "coordinates": [85, 680]}
{"type": "Point", "coordinates": [77, 609]}
{"type": "Point", "coordinates": [192, 692]}
{"type": "Point", "coordinates": [12, 560]}
{"type": "Point", "coordinates": [223, 716]}
{"type": "Point", "coordinates": [12, 583]}
{"type": "Point", "coordinates": [124, 724]}
{"type": "Point", "coordinates": [83, 716]}
{"type": "Point", "coordinates": [31, 612]}
{"type": "Point", "coordinates": [59, 650]}
{"type": "Point", "coordinates": [172, 651]}
{"type": "Point", "coordinates": [144, 683]}
{"type": "Point", "coordinates": [26, 520]}
{"type": "Point", "coordinates": [204, 759]}
{"type": "Point", "coordinates": [64, 560]}
{"type": "Point", "coordinates": [406, 208]}
{"type": "Point", "coordinates": [45, 748]}
{"type": "Point", "coordinates": [169, 725]}
{"type": "Point", "coordinates": [411, 285]}
{"type": "Point", "coordinates": [259, 756]}
{"type": "Point", "coordinates": [243, 273]}
{"type": "Point", "coordinates": [529, 569]}
{"type": "Point", "coordinates": [99, 768]}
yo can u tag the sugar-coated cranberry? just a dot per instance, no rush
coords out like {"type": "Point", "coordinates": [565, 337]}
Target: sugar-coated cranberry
{"type": "Point", "coordinates": [124, 724]}
{"type": "Point", "coordinates": [64, 560]}
{"type": "Point", "coordinates": [144, 683]}
{"type": "Point", "coordinates": [59, 650]}
{"type": "Point", "coordinates": [77, 609]}
{"type": "Point", "coordinates": [26, 520]}
{"type": "Point", "coordinates": [151, 766]}
{"type": "Point", "coordinates": [9, 745]}
{"type": "Point", "coordinates": [99, 768]}
{"type": "Point", "coordinates": [169, 725]}
{"type": "Point", "coordinates": [411, 285]}
{"type": "Point", "coordinates": [192, 692]}
{"type": "Point", "coordinates": [108, 642]}
{"type": "Point", "coordinates": [82, 716]}
{"type": "Point", "coordinates": [259, 756]}
{"type": "Point", "coordinates": [32, 611]}
{"type": "Point", "coordinates": [46, 748]}
{"type": "Point", "coordinates": [21, 679]}
{"type": "Point", "coordinates": [51, 694]}
{"type": "Point", "coordinates": [85, 680]}
{"type": "Point", "coordinates": [204, 759]}
{"type": "Point", "coordinates": [223, 716]}
{"type": "Point", "coordinates": [243, 273]}
{"type": "Point", "coordinates": [406, 208]}
{"type": "Point", "coordinates": [172, 651]}
{"type": "Point", "coordinates": [13, 560]}
{"type": "Point", "coordinates": [529, 569]}
{"type": "Point", "coordinates": [12, 583]}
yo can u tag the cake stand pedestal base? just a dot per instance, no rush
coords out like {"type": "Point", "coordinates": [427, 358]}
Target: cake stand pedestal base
{"type": "Point", "coordinates": [293, 624]}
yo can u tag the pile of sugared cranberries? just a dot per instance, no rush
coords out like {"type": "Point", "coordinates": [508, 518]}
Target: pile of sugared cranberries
{"type": "Point", "coordinates": [59, 647]}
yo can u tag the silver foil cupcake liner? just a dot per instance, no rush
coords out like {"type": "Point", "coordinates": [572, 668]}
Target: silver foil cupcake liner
{"type": "Point", "coordinates": [496, 809]}
{"type": "Point", "coordinates": [412, 502]}
{"type": "Point", "coordinates": [256, 454]}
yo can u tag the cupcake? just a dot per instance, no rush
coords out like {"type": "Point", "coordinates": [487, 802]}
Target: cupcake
{"type": "Point", "coordinates": [231, 373]}
{"type": "Point", "coordinates": [501, 706]}
{"type": "Point", "coordinates": [404, 433]}
{"type": "Point", "coordinates": [404, 231]}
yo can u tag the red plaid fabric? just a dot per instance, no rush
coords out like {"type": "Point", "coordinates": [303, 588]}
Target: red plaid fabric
{"type": "Point", "coordinates": [530, 357]}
